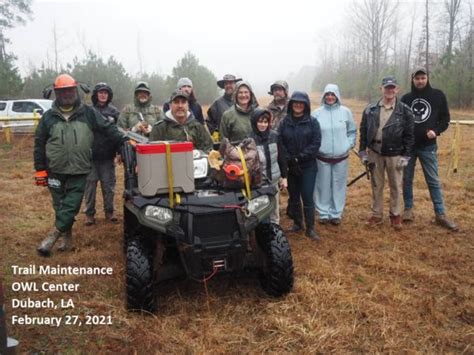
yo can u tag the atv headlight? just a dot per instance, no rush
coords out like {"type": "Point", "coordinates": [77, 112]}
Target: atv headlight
{"type": "Point", "coordinates": [258, 204]}
{"type": "Point", "coordinates": [200, 164]}
{"type": "Point", "coordinates": [160, 214]}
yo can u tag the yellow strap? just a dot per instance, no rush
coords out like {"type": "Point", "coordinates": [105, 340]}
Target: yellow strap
{"type": "Point", "coordinates": [169, 167]}
{"type": "Point", "coordinates": [36, 116]}
{"type": "Point", "coordinates": [457, 148]}
{"type": "Point", "coordinates": [246, 173]}
{"type": "Point", "coordinates": [7, 133]}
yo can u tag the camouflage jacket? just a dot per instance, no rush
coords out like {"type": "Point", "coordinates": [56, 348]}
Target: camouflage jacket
{"type": "Point", "coordinates": [129, 116]}
{"type": "Point", "coordinates": [278, 114]}
{"type": "Point", "coordinates": [190, 131]}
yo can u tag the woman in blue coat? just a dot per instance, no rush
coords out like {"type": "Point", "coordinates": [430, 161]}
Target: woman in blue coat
{"type": "Point", "coordinates": [338, 136]}
{"type": "Point", "coordinates": [300, 139]}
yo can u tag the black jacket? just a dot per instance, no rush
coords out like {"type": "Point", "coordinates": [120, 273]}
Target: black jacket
{"type": "Point", "coordinates": [194, 107]}
{"type": "Point", "coordinates": [217, 109]}
{"type": "Point", "coordinates": [103, 147]}
{"type": "Point", "coordinates": [397, 134]}
{"type": "Point", "coordinates": [431, 112]}
{"type": "Point", "coordinates": [300, 137]}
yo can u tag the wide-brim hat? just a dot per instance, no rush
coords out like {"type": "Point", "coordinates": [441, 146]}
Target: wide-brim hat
{"type": "Point", "coordinates": [227, 77]}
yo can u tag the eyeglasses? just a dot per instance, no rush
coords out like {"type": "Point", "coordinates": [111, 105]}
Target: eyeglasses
{"type": "Point", "coordinates": [330, 94]}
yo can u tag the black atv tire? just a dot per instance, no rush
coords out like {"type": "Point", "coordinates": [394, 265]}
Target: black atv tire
{"type": "Point", "coordinates": [139, 276]}
{"type": "Point", "coordinates": [276, 276]}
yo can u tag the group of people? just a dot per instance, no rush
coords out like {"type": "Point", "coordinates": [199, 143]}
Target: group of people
{"type": "Point", "coordinates": [303, 151]}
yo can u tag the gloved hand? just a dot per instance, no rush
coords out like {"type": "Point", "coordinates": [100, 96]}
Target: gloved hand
{"type": "Point", "coordinates": [293, 161]}
{"type": "Point", "coordinates": [364, 157]}
{"type": "Point", "coordinates": [41, 178]}
{"type": "Point", "coordinates": [142, 127]}
{"type": "Point", "coordinates": [403, 163]}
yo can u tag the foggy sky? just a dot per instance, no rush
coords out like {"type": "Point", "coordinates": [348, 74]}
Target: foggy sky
{"type": "Point", "coordinates": [259, 40]}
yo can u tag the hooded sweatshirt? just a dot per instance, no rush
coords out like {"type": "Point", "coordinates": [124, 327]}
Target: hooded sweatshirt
{"type": "Point", "coordinates": [338, 130]}
{"type": "Point", "coordinates": [235, 124]}
{"type": "Point", "coordinates": [191, 131]}
{"type": "Point", "coordinates": [431, 112]}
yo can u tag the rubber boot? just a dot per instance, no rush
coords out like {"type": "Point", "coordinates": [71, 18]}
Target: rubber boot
{"type": "Point", "coordinates": [66, 241]}
{"type": "Point", "coordinates": [309, 221]}
{"type": "Point", "coordinates": [295, 213]}
{"type": "Point", "coordinates": [44, 248]}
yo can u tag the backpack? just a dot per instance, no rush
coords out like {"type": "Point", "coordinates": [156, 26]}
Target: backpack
{"type": "Point", "coordinates": [233, 167]}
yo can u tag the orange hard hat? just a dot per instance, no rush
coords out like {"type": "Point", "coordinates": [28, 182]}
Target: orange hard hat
{"type": "Point", "coordinates": [64, 81]}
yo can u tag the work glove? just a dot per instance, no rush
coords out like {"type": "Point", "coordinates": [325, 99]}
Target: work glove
{"type": "Point", "coordinates": [293, 161]}
{"type": "Point", "coordinates": [41, 178]}
{"type": "Point", "coordinates": [364, 157]}
{"type": "Point", "coordinates": [403, 163]}
{"type": "Point", "coordinates": [142, 127]}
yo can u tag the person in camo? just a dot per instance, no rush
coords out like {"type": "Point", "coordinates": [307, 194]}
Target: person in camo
{"type": "Point", "coordinates": [130, 118]}
{"type": "Point", "coordinates": [179, 124]}
{"type": "Point", "coordinates": [279, 105]}
{"type": "Point", "coordinates": [235, 124]}
{"type": "Point", "coordinates": [62, 156]}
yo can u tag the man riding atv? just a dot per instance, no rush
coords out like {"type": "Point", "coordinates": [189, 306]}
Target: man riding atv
{"type": "Point", "coordinates": [175, 227]}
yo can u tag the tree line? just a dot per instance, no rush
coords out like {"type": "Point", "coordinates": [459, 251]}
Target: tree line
{"type": "Point", "coordinates": [381, 37]}
{"type": "Point", "coordinates": [92, 68]}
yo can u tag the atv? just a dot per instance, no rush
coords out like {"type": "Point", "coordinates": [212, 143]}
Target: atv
{"type": "Point", "coordinates": [207, 231]}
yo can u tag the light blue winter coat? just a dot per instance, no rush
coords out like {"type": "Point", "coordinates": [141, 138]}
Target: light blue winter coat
{"type": "Point", "coordinates": [338, 130]}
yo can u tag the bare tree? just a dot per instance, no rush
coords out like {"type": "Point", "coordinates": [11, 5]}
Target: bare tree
{"type": "Point", "coordinates": [139, 54]}
{"type": "Point", "coordinates": [410, 43]}
{"type": "Point", "coordinates": [452, 8]}
{"type": "Point", "coordinates": [427, 34]}
{"type": "Point", "coordinates": [55, 48]}
{"type": "Point", "coordinates": [373, 20]}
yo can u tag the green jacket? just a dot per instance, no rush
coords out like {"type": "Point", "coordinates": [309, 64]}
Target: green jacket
{"type": "Point", "coordinates": [235, 123]}
{"type": "Point", "coordinates": [129, 116]}
{"type": "Point", "coordinates": [65, 146]}
{"type": "Point", "coordinates": [191, 131]}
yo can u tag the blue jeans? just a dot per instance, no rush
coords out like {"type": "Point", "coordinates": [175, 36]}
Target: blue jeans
{"type": "Point", "coordinates": [429, 163]}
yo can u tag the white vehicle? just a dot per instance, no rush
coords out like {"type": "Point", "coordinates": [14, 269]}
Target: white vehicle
{"type": "Point", "coordinates": [22, 108]}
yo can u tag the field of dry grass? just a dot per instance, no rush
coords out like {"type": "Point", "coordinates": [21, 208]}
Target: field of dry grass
{"type": "Point", "coordinates": [358, 290]}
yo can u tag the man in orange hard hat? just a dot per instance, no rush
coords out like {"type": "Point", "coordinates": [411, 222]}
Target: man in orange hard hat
{"type": "Point", "coordinates": [62, 156]}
